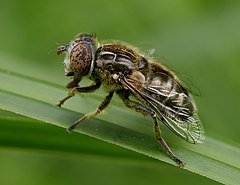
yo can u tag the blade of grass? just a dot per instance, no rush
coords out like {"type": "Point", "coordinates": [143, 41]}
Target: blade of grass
{"type": "Point", "coordinates": [22, 132]}
{"type": "Point", "coordinates": [35, 99]}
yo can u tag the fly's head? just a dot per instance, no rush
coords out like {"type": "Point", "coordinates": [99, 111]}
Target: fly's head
{"type": "Point", "coordinates": [80, 53]}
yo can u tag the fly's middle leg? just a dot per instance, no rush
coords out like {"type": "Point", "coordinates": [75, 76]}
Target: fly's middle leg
{"type": "Point", "coordinates": [102, 106]}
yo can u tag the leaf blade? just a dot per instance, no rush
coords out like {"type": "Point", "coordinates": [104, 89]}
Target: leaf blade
{"type": "Point", "coordinates": [118, 135]}
{"type": "Point", "coordinates": [35, 99]}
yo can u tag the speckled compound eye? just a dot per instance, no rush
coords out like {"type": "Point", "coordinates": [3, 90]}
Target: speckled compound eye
{"type": "Point", "coordinates": [81, 58]}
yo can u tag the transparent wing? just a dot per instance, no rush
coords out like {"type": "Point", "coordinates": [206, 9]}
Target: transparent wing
{"type": "Point", "coordinates": [192, 131]}
{"type": "Point", "coordinates": [171, 102]}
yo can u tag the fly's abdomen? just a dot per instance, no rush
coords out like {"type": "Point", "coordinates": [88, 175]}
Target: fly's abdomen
{"type": "Point", "coordinates": [170, 97]}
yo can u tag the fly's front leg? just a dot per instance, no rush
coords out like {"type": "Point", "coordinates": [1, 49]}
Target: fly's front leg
{"type": "Point", "coordinates": [103, 105]}
{"type": "Point", "coordinates": [79, 89]}
{"type": "Point", "coordinates": [164, 144]}
{"type": "Point", "coordinates": [70, 94]}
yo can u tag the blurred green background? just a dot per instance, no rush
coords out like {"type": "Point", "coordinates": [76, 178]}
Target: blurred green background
{"type": "Point", "coordinates": [199, 39]}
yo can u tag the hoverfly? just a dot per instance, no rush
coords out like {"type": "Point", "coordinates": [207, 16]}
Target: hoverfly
{"type": "Point", "coordinates": [122, 69]}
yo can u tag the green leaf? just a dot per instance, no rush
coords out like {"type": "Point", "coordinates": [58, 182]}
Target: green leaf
{"type": "Point", "coordinates": [35, 98]}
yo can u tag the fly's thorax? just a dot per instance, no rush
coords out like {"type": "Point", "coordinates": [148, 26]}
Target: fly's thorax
{"type": "Point", "coordinates": [122, 51]}
{"type": "Point", "coordinates": [112, 61]}
{"type": "Point", "coordinates": [80, 53]}
{"type": "Point", "coordinates": [119, 58]}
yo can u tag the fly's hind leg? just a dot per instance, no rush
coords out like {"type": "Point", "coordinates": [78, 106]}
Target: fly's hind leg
{"type": "Point", "coordinates": [103, 105]}
{"type": "Point", "coordinates": [160, 139]}
{"type": "Point", "coordinates": [124, 95]}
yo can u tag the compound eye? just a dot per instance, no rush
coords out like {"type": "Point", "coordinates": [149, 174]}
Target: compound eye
{"type": "Point", "coordinates": [81, 59]}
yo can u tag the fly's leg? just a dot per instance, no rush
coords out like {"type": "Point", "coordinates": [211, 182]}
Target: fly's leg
{"type": "Point", "coordinates": [79, 89]}
{"type": "Point", "coordinates": [124, 95]}
{"type": "Point", "coordinates": [73, 83]}
{"type": "Point", "coordinates": [164, 144]}
{"type": "Point", "coordinates": [103, 105]}
{"type": "Point", "coordinates": [70, 95]}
